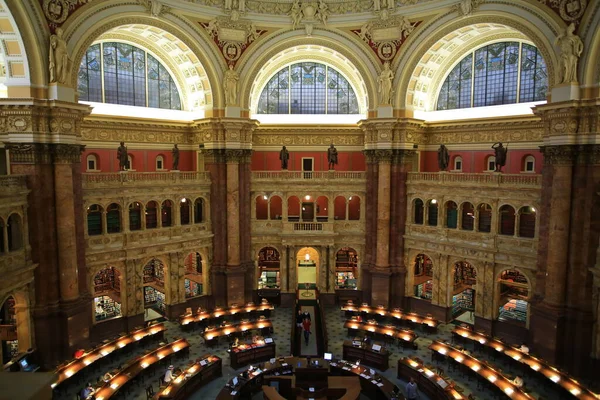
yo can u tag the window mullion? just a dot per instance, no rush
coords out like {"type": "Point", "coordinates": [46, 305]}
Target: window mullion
{"type": "Point", "coordinates": [326, 90]}
{"type": "Point", "coordinates": [102, 73]}
{"type": "Point", "coordinates": [519, 72]}
{"type": "Point", "coordinates": [146, 80]}
{"type": "Point", "coordinates": [473, 80]}
{"type": "Point", "coordinates": [289, 89]}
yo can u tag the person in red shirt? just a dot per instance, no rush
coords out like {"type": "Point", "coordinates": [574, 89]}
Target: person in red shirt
{"type": "Point", "coordinates": [306, 329]}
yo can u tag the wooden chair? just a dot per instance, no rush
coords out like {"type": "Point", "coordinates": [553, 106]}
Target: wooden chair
{"type": "Point", "coordinates": [149, 392]}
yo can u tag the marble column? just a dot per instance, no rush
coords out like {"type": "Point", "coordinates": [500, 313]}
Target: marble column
{"type": "Point", "coordinates": [383, 209]}
{"type": "Point", "coordinates": [233, 211]}
{"type": "Point", "coordinates": [65, 156]}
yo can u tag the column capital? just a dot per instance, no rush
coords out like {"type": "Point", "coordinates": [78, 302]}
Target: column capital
{"type": "Point", "coordinates": [29, 153]}
{"type": "Point", "coordinates": [67, 153]}
{"type": "Point", "coordinates": [238, 156]}
{"type": "Point", "coordinates": [585, 154]}
{"type": "Point", "coordinates": [396, 156]}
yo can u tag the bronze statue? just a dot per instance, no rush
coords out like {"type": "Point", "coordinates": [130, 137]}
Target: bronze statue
{"type": "Point", "coordinates": [332, 156]}
{"type": "Point", "coordinates": [175, 153]}
{"type": "Point", "coordinates": [443, 158]}
{"type": "Point", "coordinates": [284, 156]}
{"type": "Point", "coordinates": [122, 157]}
{"type": "Point", "coordinates": [500, 153]}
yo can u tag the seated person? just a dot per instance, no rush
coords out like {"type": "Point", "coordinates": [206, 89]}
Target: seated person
{"type": "Point", "coordinates": [87, 392]}
{"type": "Point", "coordinates": [524, 348]}
{"type": "Point", "coordinates": [518, 381]}
{"type": "Point", "coordinates": [169, 374]}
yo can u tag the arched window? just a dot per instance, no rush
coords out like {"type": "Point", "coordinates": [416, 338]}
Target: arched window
{"type": "Point", "coordinates": [160, 163]}
{"type": "Point", "coordinates": [92, 163]}
{"type": "Point", "coordinates": [418, 212]}
{"type": "Point", "coordinates": [167, 213]}
{"type": "Point", "coordinates": [94, 220]}
{"type": "Point", "coordinates": [184, 211]}
{"type": "Point", "coordinates": [151, 215]}
{"type": "Point", "coordinates": [113, 218]}
{"type": "Point", "coordinates": [275, 207]}
{"type": "Point", "coordinates": [339, 208]}
{"type": "Point", "coordinates": [490, 163]}
{"type": "Point", "coordinates": [485, 218]}
{"type": "Point", "coordinates": [135, 216]}
{"type": "Point", "coordinates": [14, 230]}
{"type": "Point", "coordinates": [490, 76]}
{"type": "Point", "coordinates": [120, 73]}
{"type": "Point", "coordinates": [529, 164]}
{"type": "Point", "coordinates": [527, 222]}
{"type": "Point", "coordinates": [354, 208]}
{"type": "Point", "coordinates": [451, 215]}
{"type": "Point", "coordinates": [198, 210]}
{"type": "Point", "coordinates": [293, 205]}
{"type": "Point", "coordinates": [467, 216]}
{"type": "Point", "coordinates": [432, 213]}
{"type": "Point", "coordinates": [507, 220]}
{"type": "Point", "coordinates": [262, 207]}
{"type": "Point", "coordinates": [107, 291]}
{"type": "Point", "coordinates": [458, 163]}
{"type": "Point", "coordinates": [308, 88]}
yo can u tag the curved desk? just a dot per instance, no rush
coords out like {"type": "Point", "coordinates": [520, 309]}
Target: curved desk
{"type": "Point", "coordinates": [195, 375]}
{"type": "Point", "coordinates": [366, 355]}
{"type": "Point", "coordinates": [538, 365]}
{"type": "Point", "coordinates": [428, 381]}
{"type": "Point", "coordinates": [406, 337]}
{"type": "Point", "coordinates": [374, 386]}
{"type": "Point", "coordinates": [485, 371]}
{"type": "Point", "coordinates": [136, 366]}
{"type": "Point", "coordinates": [396, 314]}
{"type": "Point", "coordinates": [66, 371]}
{"type": "Point", "coordinates": [214, 333]}
{"type": "Point", "coordinates": [338, 387]}
{"type": "Point", "coordinates": [218, 313]}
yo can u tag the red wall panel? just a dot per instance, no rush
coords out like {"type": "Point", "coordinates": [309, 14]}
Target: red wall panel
{"type": "Point", "coordinates": [269, 161]}
{"type": "Point", "coordinates": [475, 161]}
{"type": "Point", "coordinates": [143, 160]}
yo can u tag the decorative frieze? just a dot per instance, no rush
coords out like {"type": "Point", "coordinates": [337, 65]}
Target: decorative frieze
{"type": "Point", "coordinates": [67, 153]}
{"type": "Point", "coordinates": [559, 155]}
{"type": "Point", "coordinates": [34, 153]}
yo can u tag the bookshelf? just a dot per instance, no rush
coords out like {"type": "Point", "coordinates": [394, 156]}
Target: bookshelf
{"type": "Point", "coordinates": [515, 310]}
{"type": "Point", "coordinates": [424, 290]}
{"type": "Point", "coordinates": [192, 289]}
{"type": "Point", "coordinates": [464, 274]}
{"type": "Point", "coordinates": [9, 315]}
{"type": "Point", "coordinates": [346, 263]}
{"type": "Point", "coordinates": [107, 307]}
{"type": "Point", "coordinates": [154, 299]}
{"type": "Point", "coordinates": [154, 272]}
{"type": "Point", "coordinates": [106, 280]}
{"type": "Point", "coordinates": [269, 262]}
{"type": "Point", "coordinates": [463, 302]}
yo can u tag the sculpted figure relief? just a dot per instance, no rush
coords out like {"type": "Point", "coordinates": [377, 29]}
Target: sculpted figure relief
{"type": "Point", "coordinates": [296, 14]}
{"type": "Point", "coordinates": [59, 57]}
{"type": "Point", "coordinates": [230, 83]}
{"type": "Point", "coordinates": [323, 12]}
{"type": "Point", "coordinates": [385, 84]}
{"type": "Point", "coordinates": [571, 48]}
{"type": "Point", "coordinates": [500, 154]}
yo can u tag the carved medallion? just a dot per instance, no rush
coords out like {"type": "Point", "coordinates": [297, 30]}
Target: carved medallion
{"type": "Point", "coordinates": [572, 10]}
{"type": "Point", "coordinates": [56, 11]}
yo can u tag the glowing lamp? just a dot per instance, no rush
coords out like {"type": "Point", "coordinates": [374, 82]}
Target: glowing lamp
{"type": "Point", "coordinates": [555, 378]}
{"type": "Point", "coordinates": [53, 385]}
{"type": "Point", "coordinates": [144, 365]}
{"type": "Point", "coordinates": [413, 363]}
{"type": "Point", "coordinates": [482, 341]}
{"type": "Point", "coordinates": [535, 367]}
{"type": "Point", "coordinates": [100, 398]}
{"type": "Point", "coordinates": [138, 337]}
{"type": "Point", "coordinates": [509, 391]}
{"type": "Point", "coordinates": [429, 373]}
{"type": "Point", "coordinates": [192, 370]}
{"type": "Point", "coordinates": [517, 357]}
{"type": "Point", "coordinates": [105, 352]}
{"type": "Point", "coordinates": [260, 326]}
{"type": "Point", "coordinates": [464, 334]}
{"type": "Point", "coordinates": [114, 385]}
{"type": "Point", "coordinates": [161, 356]}
{"type": "Point", "coordinates": [227, 331]}
{"type": "Point", "coordinates": [69, 373]}
{"type": "Point", "coordinates": [475, 367]}
{"type": "Point", "coordinates": [442, 351]}
{"type": "Point", "coordinates": [87, 362]}
{"type": "Point", "coordinates": [178, 379]}
{"type": "Point", "coordinates": [575, 392]}
{"type": "Point", "coordinates": [121, 345]}
{"type": "Point", "coordinates": [371, 329]}
{"type": "Point", "coordinates": [459, 359]}
{"type": "Point", "coordinates": [185, 322]}
{"type": "Point", "coordinates": [492, 378]}
{"type": "Point", "coordinates": [209, 337]}
{"type": "Point", "coordinates": [499, 348]}
{"type": "Point", "coordinates": [389, 333]}
{"type": "Point", "coordinates": [406, 337]}
{"type": "Point", "coordinates": [176, 348]}
{"type": "Point", "coordinates": [167, 391]}
{"type": "Point", "coordinates": [244, 328]}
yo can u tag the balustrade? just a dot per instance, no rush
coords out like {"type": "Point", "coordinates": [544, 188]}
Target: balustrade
{"type": "Point", "coordinates": [486, 179]}
{"type": "Point", "coordinates": [111, 179]}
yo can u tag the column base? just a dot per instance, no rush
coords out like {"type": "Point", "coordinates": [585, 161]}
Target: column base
{"type": "Point", "coordinates": [236, 285]}
{"type": "Point", "coordinates": [546, 328]}
{"type": "Point", "coordinates": [57, 91]}
{"type": "Point", "coordinates": [566, 92]}
{"type": "Point", "coordinates": [385, 111]}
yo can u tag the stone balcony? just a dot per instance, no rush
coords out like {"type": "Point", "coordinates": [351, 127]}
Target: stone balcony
{"type": "Point", "coordinates": [128, 179]}
{"type": "Point", "coordinates": [315, 180]}
{"type": "Point", "coordinates": [491, 180]}
{"type": "Point", "coordinates": [11, 185]}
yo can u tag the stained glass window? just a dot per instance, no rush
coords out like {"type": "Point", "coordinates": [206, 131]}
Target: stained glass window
{"type": "Point", "coordinates": [308, 88]}
{"type": "Point", "coordinates": [120, 73]}
{"type": "Point", "coordinates": [499, 73]}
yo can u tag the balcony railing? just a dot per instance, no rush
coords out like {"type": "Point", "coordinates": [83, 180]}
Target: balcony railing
{"type": "Point", "coordinates": [10, 184]}
{"type": "Point", "coordinates": [307, 227]}
{"type": "Point", "coordinates": [307, 175]}
{"type": "Point", "coordinates": [126, 178]}
{"type": "Point", "coordinates": [484, 179]}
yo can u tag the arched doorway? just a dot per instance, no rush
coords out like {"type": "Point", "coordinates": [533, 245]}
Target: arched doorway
{"type": "Point", "coordinates": [269, 262]}
{"type": "Point", "coordinates": [464, 278]}
{"type": "Point", "coordinates": [346, 268]}
{"type": "Point", "coordinates": [307, 268]}
{"type": "Point", "coordinates": [194, 275]}
{"type": "Point", "coordinates": [423, 277]}
{"type": "Point", "coordinates": [154, 289]}
{"type": "Point", "coordinates": [513, 292]}
{"type": "Point", "coordinates": [107, 294]}
{"type": "Point", "coordinates": [8, 328]}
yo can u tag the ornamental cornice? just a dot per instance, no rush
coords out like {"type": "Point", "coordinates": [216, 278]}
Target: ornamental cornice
{"type": "Point", "coordinates": [67, 153]}
{"type": "Point", "coordinates": [30, 153]}
{"type": "Point", "coordinates": [559, 155]}
{"type": "Point", "coordinates": [237, 156]}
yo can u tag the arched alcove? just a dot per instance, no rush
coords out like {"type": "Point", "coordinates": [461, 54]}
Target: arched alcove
{"type": "Point", "coordinates": [94, 219]}
{"type": "Point", "coordinates": [514, 291]}
{"type": "Point", "coordinates": [346, 268]}
{"type": "Point", "coordinates": [262, 207]}
{"type": "Point", "coordinates": [107, 294]}
{"type": "Point", "coordinates": [135, 216]}
{"type": "Point", "coordinates": [308, 267]}
{"type": "Point", "coordinates": [293, 205]}
{"type": "Point", "coordinates": [275, 207]}
{"type": "Point", "coordinates": [462, 285]}
{"type": "Point", "coordinates": [423, 277]}
{"type": "Point", "coordinates": [113, 218]}
{"type": "Point", "coordinates": [354, 208]}
{"type": "Point", "coordinates": [154, 289]}
{"type": "Point", "coordinates": [195, 275]}
{"type": "Point", "coordinates": [184, 211]}
{"type": "Point", "coordinates": [269, 264]}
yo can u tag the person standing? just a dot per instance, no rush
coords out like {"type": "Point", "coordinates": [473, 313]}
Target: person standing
{"type": "Point", "coordinates": [306, 330]}
{"type": "Point", "coordinates": [306, 315]}
{"type": "Point", "coordinates": [412, 392]}
{"type": "Point", "coordinates": [299, 319]}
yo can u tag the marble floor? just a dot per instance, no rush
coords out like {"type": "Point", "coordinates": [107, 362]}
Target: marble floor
{"type": "Point", "coordinates": [282, 323]}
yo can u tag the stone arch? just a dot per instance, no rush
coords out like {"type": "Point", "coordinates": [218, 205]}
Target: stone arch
{"type": "Point", "coordinates": [123, 289]}
{"type": "Point", "coordinates": [332, 48]}
{"type": "Point", "coordinates": [300, 254]}
{"type": "Point", "coordinates": [122, 22]}
{"type": "Point", "coordinates": [412, 255]}
{"type": "Point", "coordinates": [479, 281]}
{"type": "Point", "coordinates": [523, 21]}
{"type": "Point", "coordinates": [530, 288]}
{"type": "Point", "coordinates": [23, 316]}
{"type": "Point", "coordinates": [589, 31]}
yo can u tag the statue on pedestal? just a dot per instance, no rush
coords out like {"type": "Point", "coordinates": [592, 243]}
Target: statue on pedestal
{"type": "Point", "coordinates": [122, 157]}
{"type": "Point", "coordinates": [175, 153]}
{"type": "Point", "coordinates": [571, 48]}
{"type": "Point", "coordinates": [332, 157]}
{"type": "Point", "coordinates": [59, 57]}
{"type": "Point", "coordinates": [230, 83]}
{"type": "Point", "coordinates": [443, 158]}
{"type": "Point", "coordinates": [284, 156]}
{"type": "Point", "coordinates": [500, 154]}
{"type": "Point", "coordinates": [385, 84]}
